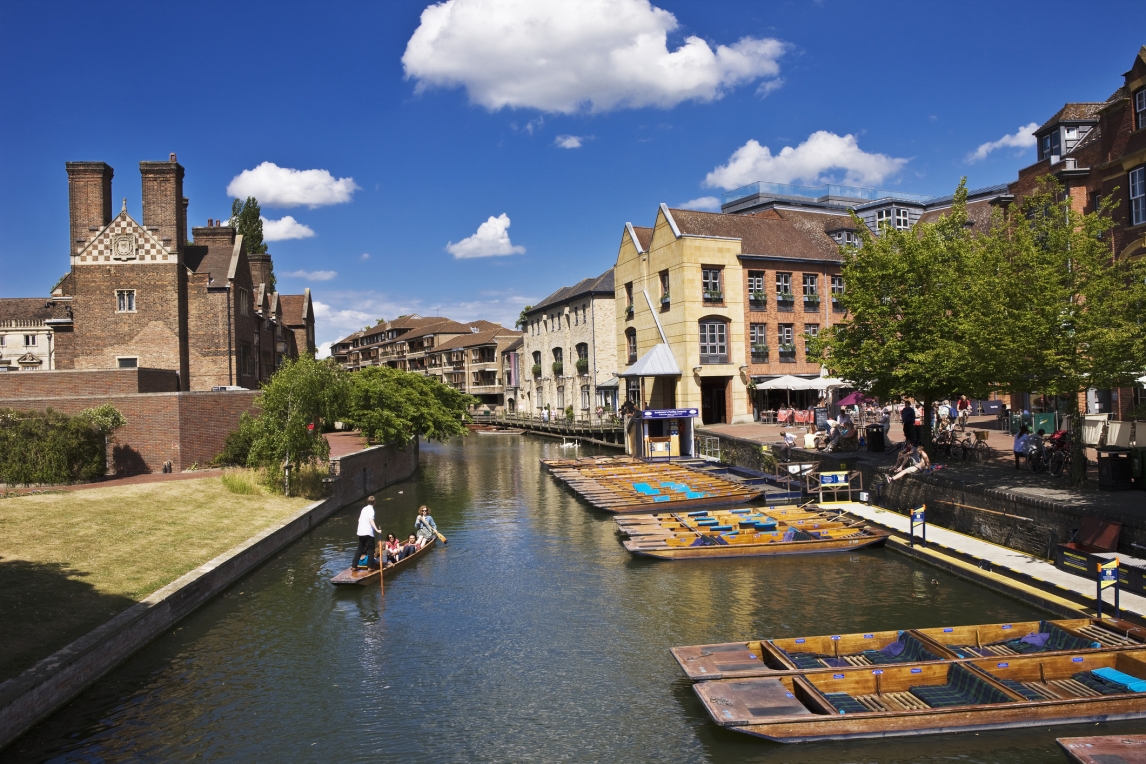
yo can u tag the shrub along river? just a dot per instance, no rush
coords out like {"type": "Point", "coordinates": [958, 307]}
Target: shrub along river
{"type": "Point", "coordinates": [532, 636]}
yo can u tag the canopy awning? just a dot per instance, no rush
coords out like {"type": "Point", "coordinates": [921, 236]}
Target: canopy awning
{"type": "Point", "coordinates": [610, 382]}
{"type": "Point", "coordinates": [658, 362]}
{"type": "Point", "coordinates": [787, 382]}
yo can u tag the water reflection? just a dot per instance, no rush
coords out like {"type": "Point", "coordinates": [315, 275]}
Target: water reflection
{"type": "Point", "coordinates": [532, 636]}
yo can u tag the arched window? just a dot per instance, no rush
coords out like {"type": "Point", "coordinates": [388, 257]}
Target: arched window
{"type": "Point", "coordinates": [537, 363]}
{"type": "Point", "coordinates": [558, 362]}
{"type": "Point", "coordinates": [713, 340]}
{"type": "Point", "coordinates": [631, 344]}
{"type": "Point", "coordinates": [583, 359]}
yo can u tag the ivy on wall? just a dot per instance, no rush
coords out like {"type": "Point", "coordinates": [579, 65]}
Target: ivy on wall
{"type": "Point", "coordinates": [50, 447]}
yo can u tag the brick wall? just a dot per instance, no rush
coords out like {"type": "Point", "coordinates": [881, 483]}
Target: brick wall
{"type": "Point", "coordinates": [185, 428]}
{"type": "Point", "coordinates": [66, 383]}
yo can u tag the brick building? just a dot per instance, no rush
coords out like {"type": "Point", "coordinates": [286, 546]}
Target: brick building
{"type": "Point", "coordinates": [143, 295]}
{"type": "Point", "coordinates": [1096, 150]}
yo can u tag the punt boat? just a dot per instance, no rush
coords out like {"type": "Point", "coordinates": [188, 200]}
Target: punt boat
{"type": "Point", "coordinates": [770, 657]}
{"type": "Point", "coordinates": [361, 577]}
{"type": "Point", "coordinates": [1104, 749]}
{"type": "Point", "coordinates": [935, 698]}
{"type": "Point", "coordinates": [666, 524]}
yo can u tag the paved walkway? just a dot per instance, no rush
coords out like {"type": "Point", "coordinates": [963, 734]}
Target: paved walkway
{"type": "Point", "coordinates": [343, 443]}
{"type": "Point", "coordinates": [1024, 568]}
{"type": "Point", "coordinates": [998, 473]}
{"type": "Point", "coordinates": [154, 477]}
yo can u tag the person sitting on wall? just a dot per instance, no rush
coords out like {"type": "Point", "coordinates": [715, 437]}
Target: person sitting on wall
{"type": "Point", "coordinates": [1020, 447]}
{"type": "Point", "coordinates": [845, 436]}
{"type": "Point", "coordinates": [917, 461]}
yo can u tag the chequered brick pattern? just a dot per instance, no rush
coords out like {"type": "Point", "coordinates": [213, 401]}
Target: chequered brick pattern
{"type": "Point", "coordinates": [102, 247]}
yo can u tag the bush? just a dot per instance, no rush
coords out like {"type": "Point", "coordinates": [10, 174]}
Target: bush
{"type": "Point", "coordinates": [51, 447]}
{"type": "Point", "coordinates": [243, 482]}
{"type": "Point", "coordinates": [237, 446]}
{"type": "Point", "coordinates": [305, 481]}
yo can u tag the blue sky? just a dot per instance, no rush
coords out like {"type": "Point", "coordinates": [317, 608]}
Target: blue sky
{"type": "Point", "coordinates": [414, 133]}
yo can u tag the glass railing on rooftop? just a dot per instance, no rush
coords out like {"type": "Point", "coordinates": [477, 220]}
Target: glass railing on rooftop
{"type": "Point", "coordinates": [817, 193]}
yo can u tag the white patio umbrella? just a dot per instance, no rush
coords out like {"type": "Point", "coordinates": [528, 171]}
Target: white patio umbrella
{"type": "Point", "coordinates": [826, 383]}
{"type": "Point", "coordinates": [788, 382]}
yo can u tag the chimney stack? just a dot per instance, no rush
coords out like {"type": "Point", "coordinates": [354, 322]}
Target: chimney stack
{"type": "Point", "coordinates": [186, 204]}
{"type": "Point", "coordinates": [89, 200]}
{"type": "Point", "coordinates": [163, 202]}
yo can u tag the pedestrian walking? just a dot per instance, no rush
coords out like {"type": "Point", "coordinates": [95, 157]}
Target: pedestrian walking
{"type": "Point", "coordinates": [366, 531]}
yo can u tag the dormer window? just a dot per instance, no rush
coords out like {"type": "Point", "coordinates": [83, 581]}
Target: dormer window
{"type": "Point", "coordinates": [1050, 145]}
{"type": "Point", "coordinates": [1140, 108]}
{"type": "Point", "coordinates": [902, 222]}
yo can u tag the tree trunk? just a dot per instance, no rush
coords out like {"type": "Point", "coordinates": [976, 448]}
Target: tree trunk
{"type": "Point", "coordinates": [1077, 448]}
{"type": "Point", "coordinates": [923, 426]}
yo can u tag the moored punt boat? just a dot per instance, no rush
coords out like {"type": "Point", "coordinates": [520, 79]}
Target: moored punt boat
{"type": "Point", "coordinates": [667, 524]}
{"type": "Point", "coordinates": [360, 577]}
{"type": "Point", "coordinates": [935, 698]}
{"type": "Point", "coordinates": [1106, 749]}
{"type": "Point", "coordinates": [716, 542]}
{"type": "Point", "coordinates": [769, 657]}
{"type": "Point", "coordinates": [627, 485]}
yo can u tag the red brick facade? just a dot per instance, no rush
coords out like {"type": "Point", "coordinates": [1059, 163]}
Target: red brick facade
{"type": "Point", "coordinates": [66, 384]}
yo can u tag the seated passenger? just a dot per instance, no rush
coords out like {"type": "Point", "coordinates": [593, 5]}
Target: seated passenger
{"type": "Point", "coordinates": [409, 547]}
{"type": "Point", "coordinates": [391, 549]}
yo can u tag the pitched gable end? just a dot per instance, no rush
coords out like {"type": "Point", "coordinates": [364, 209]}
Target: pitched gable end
{"type": "Point", "coordinates": [124, 241]}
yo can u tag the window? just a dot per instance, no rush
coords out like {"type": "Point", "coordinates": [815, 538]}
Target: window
{"type": "Point", "coordinates": [561, 397]}
{"type": "Point", "coordinates": [584, 397]}
{"type": "Point", "coordinates": [785, 336]}
{"type": "Point", "coordinates": [1138, 195]}
{"type": "Point", "coordinates": [902, 222]}
{"type": "Point", "coordinates": [710, 283]}
{"type": "Point", "coordinates": [812, 286]}
{"type": "Point", "coordinates": [713, 342]}
{"type": "Point", "coordinates": [756, 334]}
{"type": "Point", "coordinates": [631, 343]}
{"type": "Point", "coordinates": [846, 238]}
{"type": "Point", "coordinates": [756, 285]}
{"type": "Point", "coordinates": [784, 286]}
{"type": "Point", "coordinates": [664, 285]}
{"type": "Point", "coordinates": [882, 217]}
{"type": "Point", "coordinates": [244, 303]}
{"type": "Point", "coordinates": [811, 330]}
{"type": "Point", "coordinates": [629, 295]}
{"type": "Point", "coordinates": [29, 340]}
{"type": "Point", "coordinates": [1140, 108]}
{"type": "Point", "coordinates": [633, 392]}
{"type": "Point", "coordinates": [246, 359]}
{"type": "Point", "coordinates": [837, 285]}
{"type": "Point", "coordinates": [1050, 146]}
{"type": "Point", "coordinates": [125, 301]}
{"type": "Point", "coordinates": [127, 363]}
{"type": "Point", "coordinates": [1, 340]}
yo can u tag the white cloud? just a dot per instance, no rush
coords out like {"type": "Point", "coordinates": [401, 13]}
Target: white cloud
{"type": "Point", "coordinates": [490, 240]}
{"type": "Point", "coordinates": [276, 186]}
{"type": "Point", "coordinates": [810, 162]}
{"type": "Point", "coordinates": [1023, 138]}
{"type": "Point", "coordinates": [702, 203]}
{"type": "Point", "coordinates": [365, 256]}
{"type": "Point", "coordinates": [769, 86]}
{"type": "Point", "coordinates": [323, 350]}
{"type": "Point", "coordinates": [312, 275]}
{"type": "Point", "coordinates": [568, 141]}
{"type": "Point", "coordinates": [285, 228]}
{"type": "Point", "coordinates": [592, 55]}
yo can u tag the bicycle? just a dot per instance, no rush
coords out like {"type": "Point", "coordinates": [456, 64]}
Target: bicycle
{"type": "Point", "coordinates": [1060, 453]}
{"type": "Point", "coordinates": [1037, 458]}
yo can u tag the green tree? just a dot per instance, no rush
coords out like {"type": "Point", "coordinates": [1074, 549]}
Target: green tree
{"type": "Point", "coordinates": [247, 220]}
{"type": "Point", "coordinates": [391, 406]}
{"type": "Point", "coordinates": [296, 402]}
{"type": "Point", "coordinates": [1073, 310]}
{"type": "Point", "coordinates": [920, 314]}
{"type": "Point", "coordinates": [522, 320]}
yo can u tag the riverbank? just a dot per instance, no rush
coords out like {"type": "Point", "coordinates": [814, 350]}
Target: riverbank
{"type": "Point", "coordinates": [56, 679]}
{"type": "Point", "coordinates": [68, 562]}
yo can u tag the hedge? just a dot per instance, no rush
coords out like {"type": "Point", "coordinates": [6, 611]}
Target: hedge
{"type": "Point", "coordinates": [50, 447]}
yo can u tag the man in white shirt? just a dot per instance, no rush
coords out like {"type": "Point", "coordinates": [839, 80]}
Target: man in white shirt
{"type": "Point", "coordinates": [366, 531]}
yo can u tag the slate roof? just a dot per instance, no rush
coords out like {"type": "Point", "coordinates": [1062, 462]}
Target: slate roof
{"type": "Point", "coordinates": [644, 237]}
{"type": "Point", "coordinates": [31, 308]}
{"type": "Point", "coordinates": [1073, 112]}
{"type": "Point", "coordinates": [786, 233]}
{"type": "Point", "coordinates": [602, 284]}
{"type": "Point", "coordinates": [515, 345]}
{"type": "Point", "coordinates": [488, 337]}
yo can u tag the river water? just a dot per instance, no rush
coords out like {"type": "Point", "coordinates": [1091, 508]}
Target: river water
{"type": "Point", "coordinates": [533, 636]}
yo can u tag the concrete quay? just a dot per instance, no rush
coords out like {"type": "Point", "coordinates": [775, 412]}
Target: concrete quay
{"type": "Point", "coordinates": [1017, 574]}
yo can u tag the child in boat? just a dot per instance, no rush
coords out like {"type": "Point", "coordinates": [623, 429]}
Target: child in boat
{"type": "Point", "coordinates": [391, 549]}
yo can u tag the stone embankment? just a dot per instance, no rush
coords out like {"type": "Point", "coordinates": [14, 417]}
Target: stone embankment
{"type": "Point", "coordinates": [36, 693]}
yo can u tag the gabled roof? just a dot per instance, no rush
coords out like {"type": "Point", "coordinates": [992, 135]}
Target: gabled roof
{"type": "Point", "coordinates": [296, 308]}
{"type": "Point", "coordinates": [602, 285]}
{"type": "Point", "coordinates": [488, 337]}
{"type": "Point", "coordinates": [515, 345]}
{"type": "Point", "coordinates": [1073, 112]}
{"type": "Point", "coordinates": [658, 362]}
{"type": "Point", "coordinates": [146, 242]}
{"type": "Point", "coordinates": [788, 234]}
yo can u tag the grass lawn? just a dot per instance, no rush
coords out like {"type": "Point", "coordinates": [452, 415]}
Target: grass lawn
{"type": "Point", "coordinates": [70, 561]}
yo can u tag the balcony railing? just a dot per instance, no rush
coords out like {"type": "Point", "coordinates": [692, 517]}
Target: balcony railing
{"type": "Point", "coordinates": [713, 358]}
{"type": "Point", "coordinates": [713, 295]}
{"type": "Point", "coordinates": [811, 303]}
{"type": "Point", "coordinates": [787, 354]}
{"type": "Point", "coordinates": [785, 301]}
{"type": "Point", "coordinates": [836, 306]}
{"type": "Point", "coordinates": [558, 367]}
{"type": "Point", "coordinates": [536, 370]}
{"type": "Point", "coordinates": [757, 301]}
{"type": "Point", "coordinates": [582, 366]}
{"type": "Point", "coordinates": [760, 354]}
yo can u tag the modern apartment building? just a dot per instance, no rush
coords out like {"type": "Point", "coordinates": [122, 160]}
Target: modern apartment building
{"type": "Point", "coordinates": [569, 350]}
{"type": "Point", "coordinates": [465, 356]}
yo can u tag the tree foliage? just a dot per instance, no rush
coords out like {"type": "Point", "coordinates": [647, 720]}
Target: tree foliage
{"type": "Point", "coordinates": [522, 318]}
{"type": "Point", "coordinates": [920, 317]}
{"type": "Point", "coordinates": [301, 393]}
{"type": "Point", "coordinates": [247, 220]}
{"type": "Point", "coordinates": [391, 406]}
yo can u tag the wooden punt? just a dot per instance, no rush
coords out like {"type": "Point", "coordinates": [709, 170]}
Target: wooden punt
{"type": "Point", "coordinates": [667, 524]}
{"type": "Point", "coordinates": [1105, 749]}
{"type": "Point", "coordinates": [628, 485]}
{"type": "Point", "coordinates": [771, 657]}
{"type": "Point", "coordinates": [352, 577]}
{"type": "Point", "coordinates": [681, 546]}
{"type": "Point", "coordinates": [928, 699]}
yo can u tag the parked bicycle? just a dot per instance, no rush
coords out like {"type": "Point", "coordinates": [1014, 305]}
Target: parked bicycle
{"type": "Point", "coordinates": [1060, 454]}
{"type": "Point", "coordinates": [1037, 455]}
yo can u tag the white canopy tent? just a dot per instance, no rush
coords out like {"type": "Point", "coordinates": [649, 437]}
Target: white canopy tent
{"type": "Point", "coordinates": [787, 382]}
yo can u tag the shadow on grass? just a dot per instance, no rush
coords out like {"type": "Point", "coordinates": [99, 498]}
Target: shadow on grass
{"type": "Point", "coordinates": [45, 606]}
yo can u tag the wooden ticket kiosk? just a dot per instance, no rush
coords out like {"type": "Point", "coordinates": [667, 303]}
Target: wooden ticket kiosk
{"type": "Point", "coordinates": [666, 433]}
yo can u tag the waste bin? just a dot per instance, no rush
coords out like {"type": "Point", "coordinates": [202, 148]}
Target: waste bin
{"type": "Point", "coordinates": [1138, 466]}
{"type": "Point", "coordinates": [874, 434]}
{"type": "Point", "coordinates": [1044, 422]}
{"type": "Point", "coordinates": [1114, 468]}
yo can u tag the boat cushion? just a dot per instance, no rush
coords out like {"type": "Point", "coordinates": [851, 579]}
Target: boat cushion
{"type": "Point", "coordinates": [845, 703]}
{"type": "Point", "coordinates": [1098, 684]}
{"type": "Point", "coordinates": [1048, 638]}
{"type": "Point", "coordinates": [962, 689]}
{"type": "Point", "coordinates": [1112, 676]}
{"type": "Point", "coordinates": [804, 660]}
{"type": "Point", "coordinates": [1020, 688]}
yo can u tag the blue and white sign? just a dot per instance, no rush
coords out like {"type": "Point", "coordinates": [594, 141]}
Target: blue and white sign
{"type": "Point", "coordinates": [668, 413]}
{"type": "Point", "coordinates": [917, 515]}
{"type": "Point", "coordinates": [833, 478]}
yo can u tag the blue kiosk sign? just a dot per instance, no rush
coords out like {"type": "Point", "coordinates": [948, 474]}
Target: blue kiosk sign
{"type": "Point", "coordinates": [666, 433]}
{"type": "Point", "coordinates": [668, 413]}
